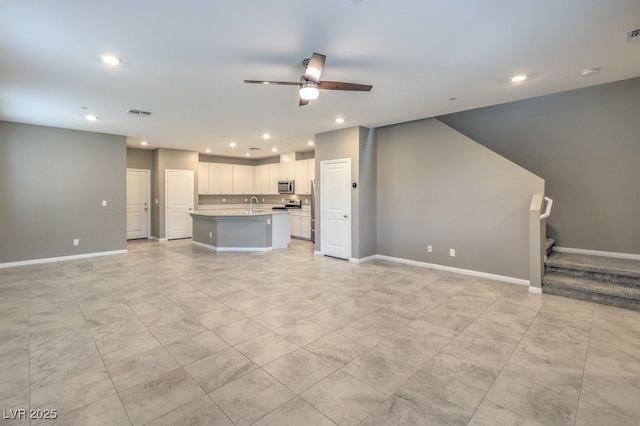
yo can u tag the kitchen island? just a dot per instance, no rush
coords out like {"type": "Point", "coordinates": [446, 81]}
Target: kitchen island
{"type": "Point", "coordinates": [241, 230]}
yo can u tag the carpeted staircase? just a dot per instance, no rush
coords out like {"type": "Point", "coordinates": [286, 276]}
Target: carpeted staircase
{"type": "Point", "coordinates": [605, 280]}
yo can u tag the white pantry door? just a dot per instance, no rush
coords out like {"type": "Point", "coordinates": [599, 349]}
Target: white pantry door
{"type": "Point", "coordinates": [179, 192]}
{"type": "Point", "coordinates": [138, 182]}
{"type": "Point", "coordinates": [336, 208]}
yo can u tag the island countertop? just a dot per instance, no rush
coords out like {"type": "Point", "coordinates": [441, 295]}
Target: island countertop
{"type": "Point", "coordinates": [238, 212]}
{"type": "Point", "coordinates": [236, 229]}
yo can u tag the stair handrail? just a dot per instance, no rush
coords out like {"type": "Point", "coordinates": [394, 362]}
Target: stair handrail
{"type": "Point", "coordinates": [547, 210]}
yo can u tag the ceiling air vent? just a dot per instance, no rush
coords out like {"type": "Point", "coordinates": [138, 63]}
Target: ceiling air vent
{"type": "Point", "coordinates": [633, 35]}
{"type": "Point", "coordinates": [139, 113]}
{"type": "Point", "coordinates": [254, 149]}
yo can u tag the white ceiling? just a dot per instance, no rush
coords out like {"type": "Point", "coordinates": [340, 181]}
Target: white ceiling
{"type": "Point", "coordinates": [185, 61]}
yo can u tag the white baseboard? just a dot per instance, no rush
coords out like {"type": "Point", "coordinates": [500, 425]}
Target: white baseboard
{"type": "Point", "coordinates": [364, 259]}
{"type": "Point", "coordinates": [231, 248]}
{"type": "Point", "coordinates": [61, 258]}
{"type": "Point", "coordinates": [470, 272]}
{"type": "Point", "coordinates": [535, 290]}
{"type": "Point", "coordinates": [614, 254]}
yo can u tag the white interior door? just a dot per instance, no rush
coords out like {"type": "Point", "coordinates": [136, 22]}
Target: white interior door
{"type": "Point", "coordinates": [138, 182]}
{"type": "Point", "coordinates": [336, 208]}
{"type": "Point", "coordinates": [180, 201]}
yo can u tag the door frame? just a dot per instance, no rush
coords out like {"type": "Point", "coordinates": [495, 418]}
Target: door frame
{"type": "Point", "coordinates": [166, 197]}
{"type": "Point", "coordinates": [148, 173]}
{"type": "Point", "coordinates": [323, 239]}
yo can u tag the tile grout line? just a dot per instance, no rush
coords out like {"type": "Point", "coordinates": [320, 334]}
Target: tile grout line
{"type": "Point", "coordinates": [507, 363]}
{"type": "Point", "coordinates": [584, 368]}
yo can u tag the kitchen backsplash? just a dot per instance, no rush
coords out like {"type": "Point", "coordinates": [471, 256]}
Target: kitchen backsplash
{"type": "Point", "coordinates": [262, 199]}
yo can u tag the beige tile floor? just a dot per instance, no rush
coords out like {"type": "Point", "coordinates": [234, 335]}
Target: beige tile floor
{"type": "Point", "coordinates": [171, 333]}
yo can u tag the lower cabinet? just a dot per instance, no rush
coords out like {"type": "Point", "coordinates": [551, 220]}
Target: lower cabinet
{"type": "Point", "coordinates": [301, 224]}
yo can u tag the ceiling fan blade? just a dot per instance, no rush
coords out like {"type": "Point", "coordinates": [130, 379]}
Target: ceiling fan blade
{"type": "Point", "coordinates": [304, 102]}
{"type": "Point", "coordinates": [338, 85]}
{"type": "Point", "coordinates": [266, 82]}
{"type": "Point", "coordinates": [314, 67]}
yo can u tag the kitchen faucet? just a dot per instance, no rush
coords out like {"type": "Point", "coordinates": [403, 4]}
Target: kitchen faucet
{"type": "Point", "coordinates": [251, 203]}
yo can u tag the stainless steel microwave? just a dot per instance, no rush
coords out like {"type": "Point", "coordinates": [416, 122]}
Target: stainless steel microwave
{"type": "Point", "coordinates": [286, 187]}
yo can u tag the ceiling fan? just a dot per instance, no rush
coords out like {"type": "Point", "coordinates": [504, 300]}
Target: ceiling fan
{"type": "Point", "coordinates": [310, 84]}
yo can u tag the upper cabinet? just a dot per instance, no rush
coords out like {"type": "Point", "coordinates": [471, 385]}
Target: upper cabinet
{"type": "Point", "coordinates": [274, 177]}
{"type": "Point", "coordinates": [242, 179]}
{"type": "Point", "coordinates": [214, 178]}
{"type": "Point", "coordinates": [305, 171]}
{"type": "Point", "coordinates": [218, 178]}
{"type": "Point", "coordinates": [287, 170]}
{"type": "Point", "coordinates": [261, 179]}
{"type": "Point", "coordinates": [203, 178]}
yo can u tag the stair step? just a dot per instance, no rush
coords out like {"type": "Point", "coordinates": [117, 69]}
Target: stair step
{"type": "Point", "coordinates": [549, 245]}
{"type": "Point", "coordinates": [591, 290]}
{"type": "Point", "coordinates": [597, 268]}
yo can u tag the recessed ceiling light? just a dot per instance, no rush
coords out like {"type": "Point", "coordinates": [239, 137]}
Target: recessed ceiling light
{"type": "Point", "coordinates": [589, 72]}
{"type": "Point", "coordinates": [339, 120]}
{"type": "Point", "coordinates": [144, 143]}
{"type": "Point", "coordinates": [207, 150]}
{"type": "Point", "coordinates": [111, 59]}
{"type": "Point", "coordinates": [232, 144]}
{"type": "Point", "coordinates": [91, 117]}
{"type": "Point", "coordinates": [248, 154]}
{"type": "Point", "coordinates": [266, 136]}
{"type": "Point", "coordinates": [274, 149]}
{"type": "Point", "coordinates": [518, 78]}
{"type": "Point", "coordinates": [310, 143]}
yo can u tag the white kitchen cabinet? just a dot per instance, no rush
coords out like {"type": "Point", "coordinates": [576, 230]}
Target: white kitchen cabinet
{"type": "Point", "coordinates": [300, 224]}
{"type": "Point", "coordinates": [305, 225]}
{"type": "Point", "coordinates": [220, 178]}
{"type": "Point", "coordinates": [242, 179]}
{"type": "Point", "coordinates": [261, 179]}
{"type": "Point", "coordinates": [305, 171]}
{"type": "Point", "coordinates": [295, 223]}
{"type": "Point", "coordinates": [203, 178]}
{"type": "Point", "coordinates": [274, 177]}
{"type": "Point", "coordinates": [287, 171]}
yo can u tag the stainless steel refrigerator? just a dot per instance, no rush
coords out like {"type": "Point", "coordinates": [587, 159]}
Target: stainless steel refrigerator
{"type": "Point", "coordinates": [313, 210]}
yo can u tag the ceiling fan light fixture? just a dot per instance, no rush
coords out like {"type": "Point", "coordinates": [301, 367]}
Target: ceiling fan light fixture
{"type": "Point", "coordinates": [309, 91]}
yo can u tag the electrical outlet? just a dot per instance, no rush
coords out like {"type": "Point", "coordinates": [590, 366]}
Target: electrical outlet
{"type": "Point", "coordinates": [268, 221]}
{"type": "Point", "coordinates": [452, 252]}
{"type": "Point", "coordinates": [76, 242]}
{"type": "Point", "coordinates": [224, 200]}
{"type": "Point", "coordinates": [246, 199]}
{"type": "Point", "coordinates": [263, 199]}
{"type": "Point", "coordinates": [210, 234]}
{"type": "Point", "coordinates": [429, 249]}
{"type": "Point", "coordinates": [104, 203]}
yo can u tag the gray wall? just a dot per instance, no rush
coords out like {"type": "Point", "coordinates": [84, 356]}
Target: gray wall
{"type": "Point", "coordinates": [164, 159]}
{"type": "Point", "coordinates": [335, 145]}
{"type": "Point", "coordinates": [139, 159]}
{"type": "Point", "coordinates": [367, 193]}
{"type": "Point", "coordinates": [586, 145]}
{"type": "Point", "coordinates": [358, 144]}
{"type": "Point", "coordinates": [52, 183]}
{"type": "Point", "coordinates": [437, 187]}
